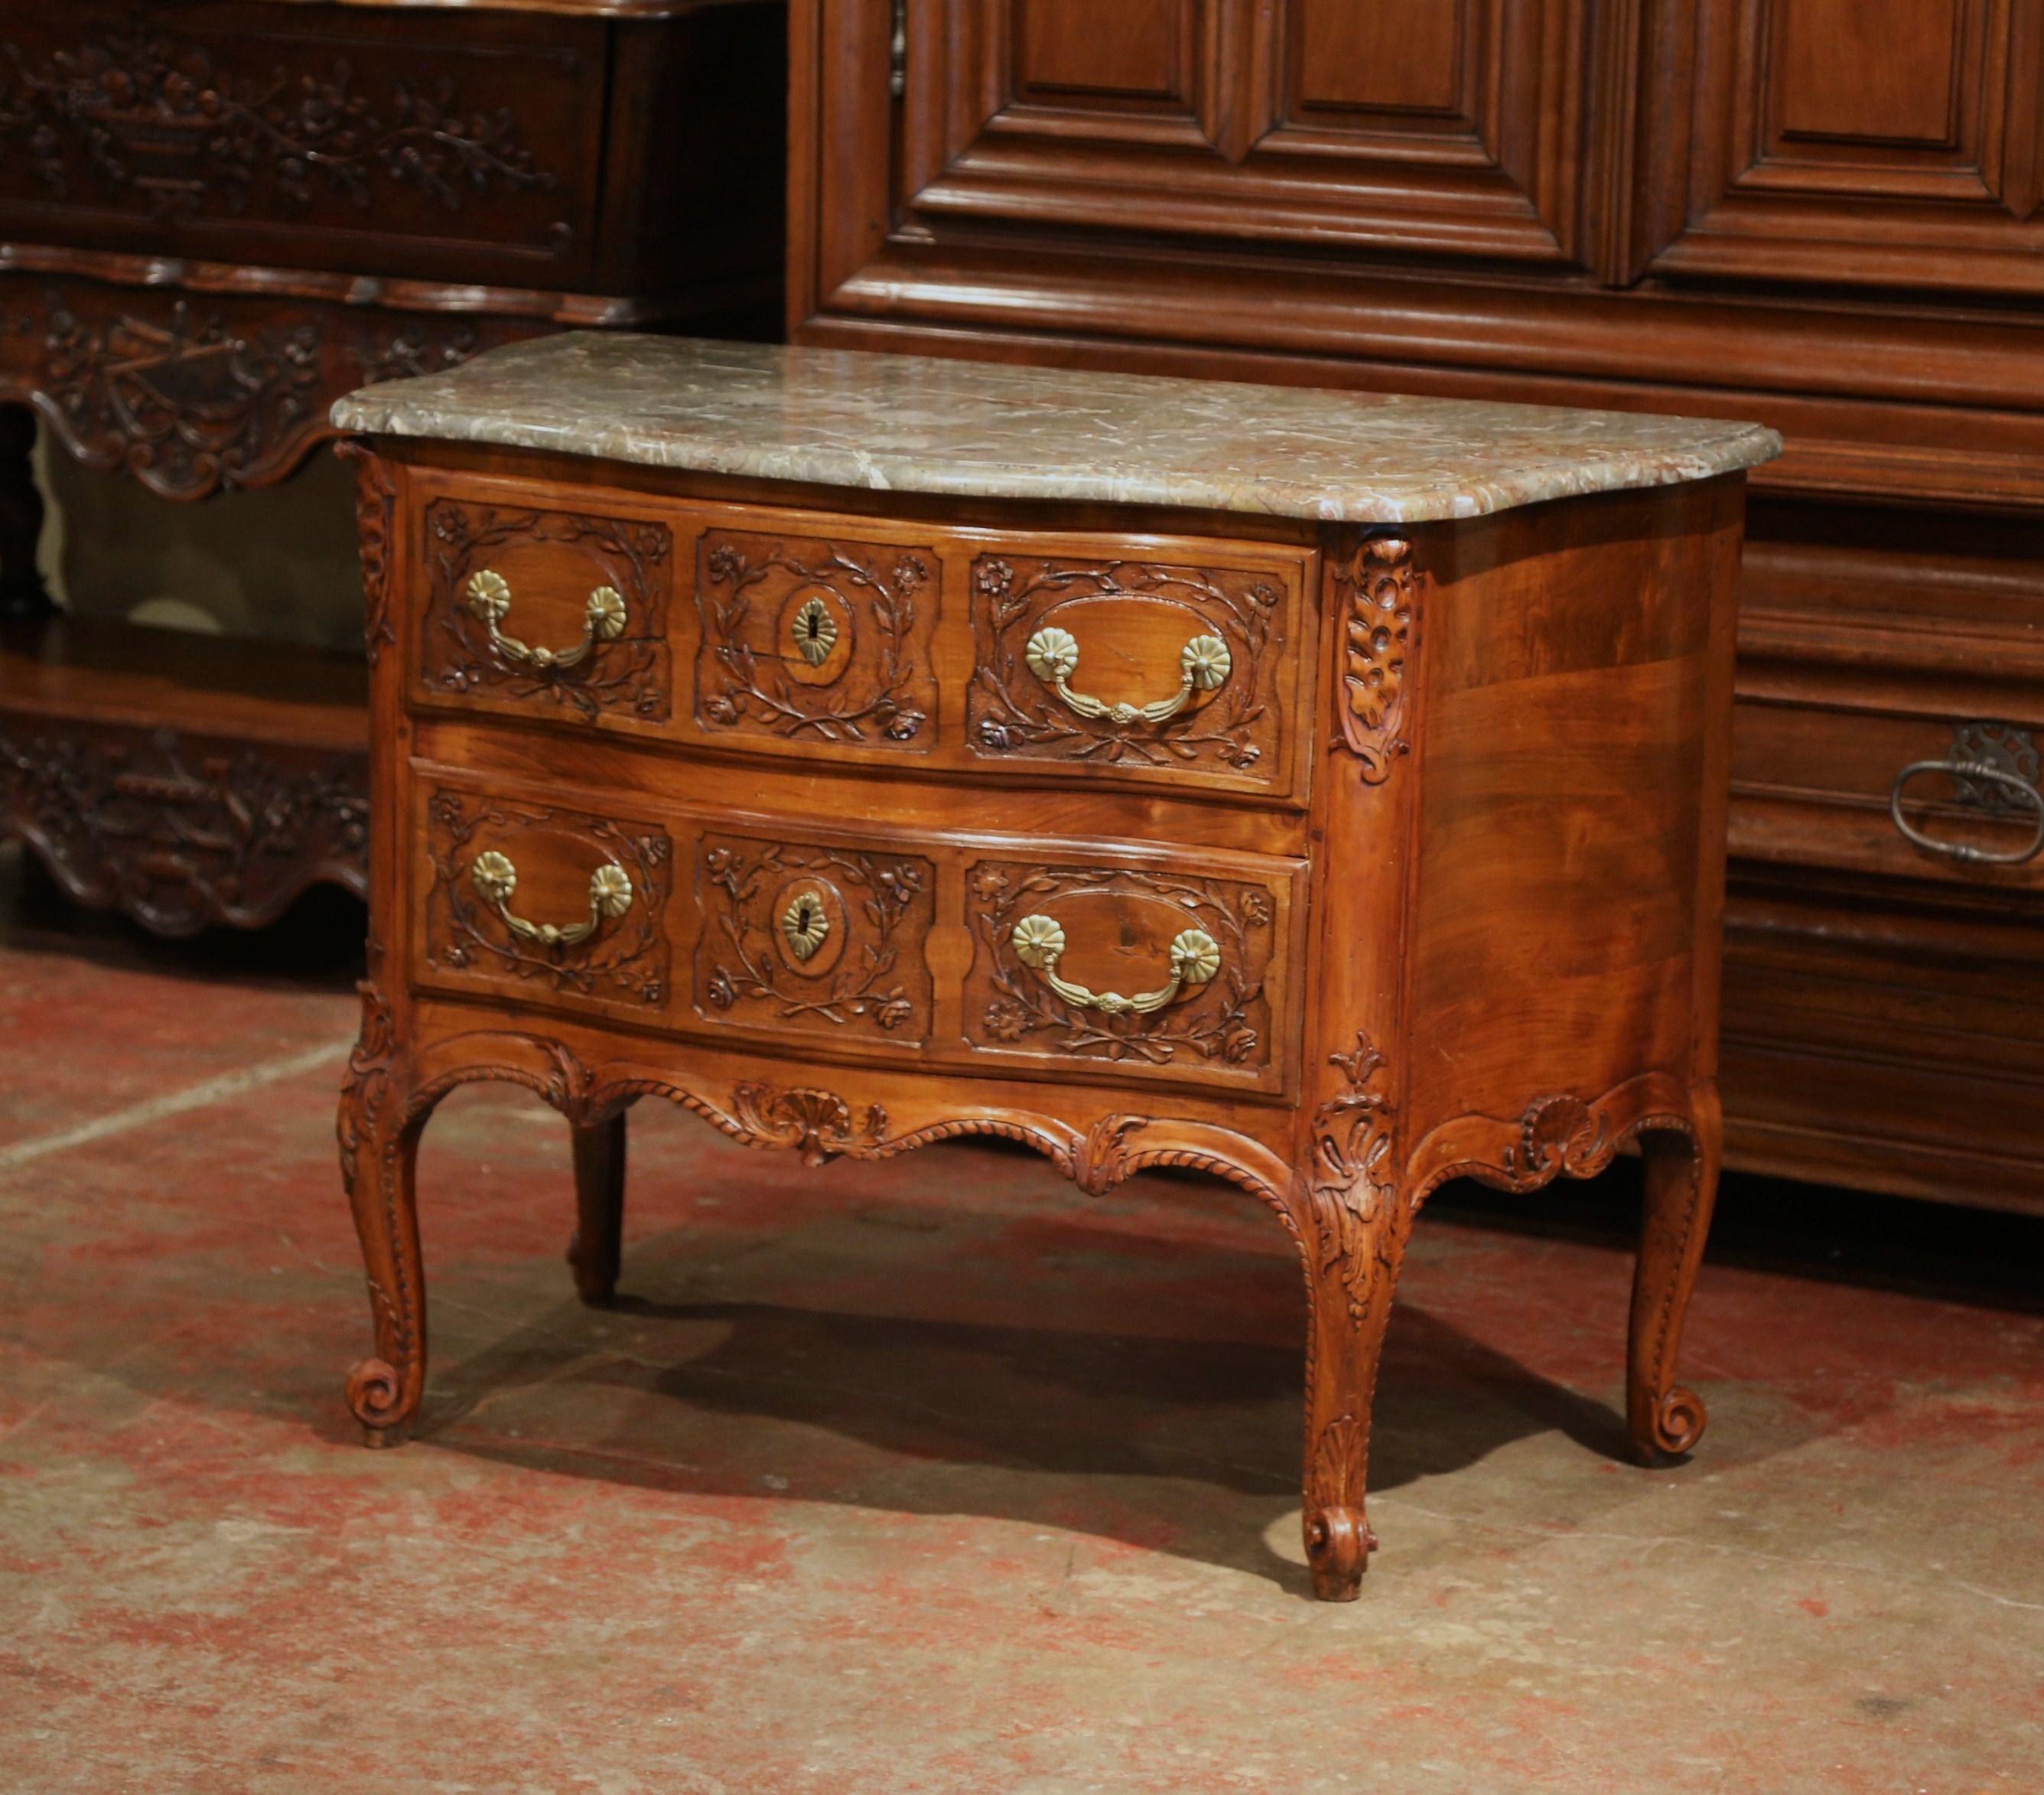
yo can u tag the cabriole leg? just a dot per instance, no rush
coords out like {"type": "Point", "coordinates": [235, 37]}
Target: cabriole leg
{"type": "Point", "coordinates": [379, 1130]}
{"type": "Point", "coordinates": [597, 1248]}
{"type": "Point", "coordinates": [1361, 1233]}
{"type": "Point", "coordinates": [1665, 1419]}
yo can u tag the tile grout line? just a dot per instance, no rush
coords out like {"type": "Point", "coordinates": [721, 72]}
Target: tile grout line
{"type": "Point", "coordinates": [196, 1096]}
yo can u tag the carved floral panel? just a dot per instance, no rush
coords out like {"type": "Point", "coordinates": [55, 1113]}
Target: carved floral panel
{"type": "Point", "coordinates": [191, 393]}
{"type": "Point", "coordinates": [505, 877]}
{"type": "Point", "coordinates": [1075, 660]}
{"type": "Point", "coordinates": [180, 832]}
{"type": "Point", "coordinates": [246, 120]}
{"type": "Point", "coordinates": [555, 609]}
{"type": "Point", "coordinates": [815, 940]}
{"type": "Point", "coordinates": [1123, 936]}
{"type": "Point", "coordinates": [809, 641]}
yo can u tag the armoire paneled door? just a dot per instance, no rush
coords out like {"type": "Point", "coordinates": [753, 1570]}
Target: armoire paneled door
{"type": "Point", "coordinates": [1822, 213]}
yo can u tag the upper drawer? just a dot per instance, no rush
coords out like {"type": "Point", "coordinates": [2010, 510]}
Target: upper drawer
{"type": "Point", "coordinates": [353, 138]}
{"type": "Point", "coordinates": [1143, 660]}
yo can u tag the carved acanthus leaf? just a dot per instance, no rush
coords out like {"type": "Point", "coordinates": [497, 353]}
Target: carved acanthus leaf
{"type": "Point", "coordinates": [1380, 588]}
{"type": "Point", "coordinates": [1352, 1136]}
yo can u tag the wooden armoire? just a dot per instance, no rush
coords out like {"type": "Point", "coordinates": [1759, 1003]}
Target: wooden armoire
{"type": "Point", "coordinates": [1822, 214]}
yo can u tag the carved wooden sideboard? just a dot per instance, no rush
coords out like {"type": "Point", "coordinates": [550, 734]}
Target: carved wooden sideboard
{"type": "Point", "coordinates": [1822, 213]}
{"type": "Point", "coordinates": [216, 217]}
{"type": "Point", "coordinates": [1324, 793]}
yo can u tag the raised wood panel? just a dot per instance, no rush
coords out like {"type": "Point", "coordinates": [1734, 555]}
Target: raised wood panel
{"type": "Point", "coordinates": [1889, 142]}
{"type": "Point", "coordinates": [1304, 120]}
{"type": "Point", "coordinates": [1879, 71]}
{"type": "Point", "coordinates": [1367, 55]}
{"type": "Point", "coordinates": [1137, 48]}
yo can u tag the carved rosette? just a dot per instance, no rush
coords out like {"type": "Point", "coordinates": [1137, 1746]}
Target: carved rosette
{"type": "Point", "coordinates": [815, 641]}
{"type": "Point", "coordinates": [626, 960]}
{"type": "Point", "coordinates": [625, 674]}
{"type": "Point", "coordinates": [1378, 592]}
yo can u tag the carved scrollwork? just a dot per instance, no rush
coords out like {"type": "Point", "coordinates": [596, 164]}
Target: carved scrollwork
{"type": "Point", "coordinates": [1225, 1019]}
{"type": "Point", "coordinates": [1020, 705]}
{"type": "Point", "coordinates": [192, 396]}
{"type": "Point", "coordinates": [144, 118]}
{"type": "Point", "coordinates": [1558, 1136]}
{"type": "Point", "coordinates": [181, 833]}
{"type": "Point", "coordinates": [465, 927]}
{"type": "Point", "coordinates": [1379, 589]}
{"type": "Point", "coordinates": [616, 571]}
{"type": "Point", "coordinates": [812, 676]}
{"type": "Point", "coordinates": [817, 1123]}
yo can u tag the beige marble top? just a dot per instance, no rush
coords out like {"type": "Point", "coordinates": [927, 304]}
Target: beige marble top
{"type": "Point", "coordinates": [913, 424]}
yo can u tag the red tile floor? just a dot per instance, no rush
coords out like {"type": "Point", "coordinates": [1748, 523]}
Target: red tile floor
{"type": "Point", "coordinates": [937, 1476]}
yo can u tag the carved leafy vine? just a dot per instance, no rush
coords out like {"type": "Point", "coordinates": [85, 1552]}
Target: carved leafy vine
{"type": "Point", "coordinates": [745, 688]}
{"type": "Point", "coordinates": [863, 984]}
{"type": "Point", "coordinates": [153, 118]}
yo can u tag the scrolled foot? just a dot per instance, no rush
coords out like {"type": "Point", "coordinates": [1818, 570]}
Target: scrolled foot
{"type": "Point", "coordinates": [376, 1399]}
{"type": "Point", "coordinates": [1338, 1543]}
{"type": "Point", "coordinates": [1673, 1426]}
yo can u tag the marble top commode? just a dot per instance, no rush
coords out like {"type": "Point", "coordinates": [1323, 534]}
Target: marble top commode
{"type": "Point", "coordinates": [973, 429]}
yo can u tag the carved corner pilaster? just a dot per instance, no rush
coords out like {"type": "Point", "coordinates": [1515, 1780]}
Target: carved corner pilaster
{"type": "Point", "coordinates": [376, 518]}
{"type": "Point", "coordinates": [1378, 587]}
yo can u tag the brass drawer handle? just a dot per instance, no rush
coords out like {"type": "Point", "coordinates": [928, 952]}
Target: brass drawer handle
{"type": "Point", "coordinates": [1053, 656]}
{"type": "Point", "coordinates": [1039, 943]}
{"type": "Point", "coordinates": [604, 618]}
{"type": "Point", "coordinates": [496, 881]}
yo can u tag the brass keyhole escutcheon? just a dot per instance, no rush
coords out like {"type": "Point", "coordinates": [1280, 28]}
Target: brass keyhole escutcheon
{"type": "Point", "coordinates": [814, 635]}
{"type": "Point", "coordinates": [816, 631]}
{"type": "Point", "coordinates": [806, 925]}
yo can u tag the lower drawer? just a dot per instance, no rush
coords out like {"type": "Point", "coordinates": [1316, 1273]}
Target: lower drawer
{"type": "Point", "coordinates": [1017, 956]}
{"type": "Point", "coordinates": [1875, 791]}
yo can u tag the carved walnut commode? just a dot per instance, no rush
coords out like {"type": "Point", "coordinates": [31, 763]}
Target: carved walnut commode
{"type": "Point", "coordinates": [1324, 792]}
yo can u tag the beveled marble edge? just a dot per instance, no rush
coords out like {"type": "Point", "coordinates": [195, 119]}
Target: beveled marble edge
{"type": "Point", "coordinates": [990, 430]}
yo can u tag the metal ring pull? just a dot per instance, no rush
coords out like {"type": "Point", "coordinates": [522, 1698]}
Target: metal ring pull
{"type": "Point", "coordinates": [1039, 942]}
{"type": "Point", "coordinates": [2021, 793]}
{"type": "Point", "coordinates": [496, 881]}
{"type": "Point", "coordinates": [1053, 656]}
{"type": "Point", "coordinates": [604, 618]}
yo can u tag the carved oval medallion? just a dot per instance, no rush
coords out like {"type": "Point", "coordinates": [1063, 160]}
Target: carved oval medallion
{"type": "Point", "coordinates": [809, 925]}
